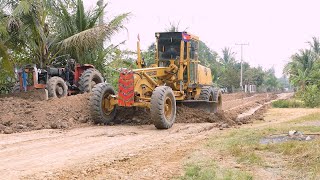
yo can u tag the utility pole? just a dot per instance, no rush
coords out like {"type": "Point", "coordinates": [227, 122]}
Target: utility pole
{"type": "Point", "coordinates": [100, 4]}
{"type": "Point", "coordinates": [241, 45]}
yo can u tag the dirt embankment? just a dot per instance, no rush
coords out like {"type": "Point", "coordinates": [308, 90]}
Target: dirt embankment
{"type": "Point", "coordinates": [19, 115]}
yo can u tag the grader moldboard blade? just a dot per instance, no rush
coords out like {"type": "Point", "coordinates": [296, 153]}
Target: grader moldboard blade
{"type": "Point", "coordinates": [207, 106]}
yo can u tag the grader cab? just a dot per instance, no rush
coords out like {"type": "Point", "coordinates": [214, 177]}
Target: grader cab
{"type": "Point", "coordinates": [175, 77]}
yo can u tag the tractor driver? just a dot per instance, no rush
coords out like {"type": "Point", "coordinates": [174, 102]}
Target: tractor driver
{"type": "Point", "coordinates": [70, 70]}
{"type": "Point", "coordinates": [171, 53]}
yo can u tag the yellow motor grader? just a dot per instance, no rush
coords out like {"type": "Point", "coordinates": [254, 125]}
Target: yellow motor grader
{"type": "Point", "coordinates": [175, 77]}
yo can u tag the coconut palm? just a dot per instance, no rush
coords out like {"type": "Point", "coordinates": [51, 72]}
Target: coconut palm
{"type": "Point", "coordinates": [300, 67]}
{"type": "Point", "coordinates": [227, 56]}
{"type": "Point", "coordinates": [5, 64]}
{"type": "Point", "coordinates": [29, 29]}
{"type": "Point", "coordinates": [81, 34]}
{"type": "Point", "coordinates": [315, 45]}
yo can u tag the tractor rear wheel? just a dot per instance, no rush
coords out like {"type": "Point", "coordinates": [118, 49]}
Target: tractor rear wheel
{"type": "Point", "coordinates": [99, 103]}
{"type": "Point", "coordinates": [209, 93]}
{"type": "Point", "coordinates": [89, 79]}
{"type": "Point", "coordinates": [16, 88]}
{"type": "Point", "coordinates": [163, 107]}
{"type": "Point", "coordinates": [57, 87]}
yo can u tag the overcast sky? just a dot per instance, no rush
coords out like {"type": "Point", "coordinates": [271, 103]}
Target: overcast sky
{"type": "Point", "coordinates": [274, 29]}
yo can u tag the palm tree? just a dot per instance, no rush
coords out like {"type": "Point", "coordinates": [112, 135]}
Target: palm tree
{"type": "Point", "coordinates": [300, 67]}
{"type": "Point", "coordinates": [82, 34]}
{"type": "Point", "coordinates": [29, 24]}
{"type": "Point", "coordinates": [301, 79]}
{"type": "Point", "coordinates": [5, 63]}
{"type": "Point", "coordinates": [227, 56]}
{"type": "Point", "coordinates": [315, 45]}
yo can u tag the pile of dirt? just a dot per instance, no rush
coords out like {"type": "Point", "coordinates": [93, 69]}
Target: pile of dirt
{"type": "Point", "coordinates": [34, 95]}
{"type": "Point", "coordinates": [141, 116]}
{"type": "Point", "coordinates": [190, 115]}
{"type": "Point", "coordinates": [19, 115]}
{"type": "Point", "coordinates": [132, 116]}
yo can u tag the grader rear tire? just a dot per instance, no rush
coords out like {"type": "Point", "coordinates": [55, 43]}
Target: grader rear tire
{"type": "Point", "coordinates": [89, 79]}
{"type": "Point", "coordinates": [208, 93]}
{"type": "Point", "coordinates": [217, 95]}
{"type": "Point", "coordinates": [163, 107]}
{"type": "Point", "coordinates": [57, 87]}
{"type": "Point", "coordinates": [100, 93]}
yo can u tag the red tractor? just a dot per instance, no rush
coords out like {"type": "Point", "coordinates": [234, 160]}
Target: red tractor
{"type": "Point", "coordinates": [73, 78]}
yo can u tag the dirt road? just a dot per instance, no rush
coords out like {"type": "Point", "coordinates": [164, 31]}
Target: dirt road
{"type": "Point", "coordinates": [109, 152]}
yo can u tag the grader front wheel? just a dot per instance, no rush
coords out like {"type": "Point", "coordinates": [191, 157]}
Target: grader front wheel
{"type": "Point", "coordinates": [163, 107]}
{"type": "Point", "coordinates": [101, 109]}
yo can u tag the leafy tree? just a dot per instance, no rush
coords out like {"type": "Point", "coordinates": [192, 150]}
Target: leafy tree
{"type": "Point", "coordinates": [311, 96]}
{"type": "Point", "coordinates": [116, 60]}
{"type": "Point", "coordinates": [271, 82]}
{"type": "Point", "coordinates": [230, 77]}
{"type": "Point", "coordinates": [208, 58]}
{"type": "Point", "coordinates": [254, 76]}
{"type": "Point", "coordinates": [149, 55]}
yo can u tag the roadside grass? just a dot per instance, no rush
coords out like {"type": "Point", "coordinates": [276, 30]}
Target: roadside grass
{"type": "Point", "coordinates": [288, 103]}
{"type": "Point", "coordinates": [210, 170]}
{"type": "Point", "coordinates": [300, 158]}
{"type": "Point", "coordinates": [310, 117]}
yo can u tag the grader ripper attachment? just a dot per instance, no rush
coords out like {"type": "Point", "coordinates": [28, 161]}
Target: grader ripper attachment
{"type": "Point", "coordinates": [175, 77]}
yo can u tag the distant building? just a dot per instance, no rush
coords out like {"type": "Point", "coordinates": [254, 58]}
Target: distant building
{"type": "Point", "coordinates": [250, 88]}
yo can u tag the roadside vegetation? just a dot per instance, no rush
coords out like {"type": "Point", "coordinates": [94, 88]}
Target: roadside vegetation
{"type": "Point", "coordinates": [291, 159]}
{"type": "Point", "coordinates": [210, 170]}
{"type": "Point", "coordinates": [288, 103]}
{"type": "Point", "coordinates": [303, 72]}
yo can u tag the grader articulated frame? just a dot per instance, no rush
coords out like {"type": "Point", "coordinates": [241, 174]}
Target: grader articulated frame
{"type": "Point", "coordinates": [175, 77]}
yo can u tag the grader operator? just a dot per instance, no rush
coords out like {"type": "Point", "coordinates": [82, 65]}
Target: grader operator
{"type": "Point", "coordinates": [175, 77]}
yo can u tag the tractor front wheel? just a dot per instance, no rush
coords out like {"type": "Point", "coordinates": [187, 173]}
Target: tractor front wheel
{"type": "Point", "coordinates": [57, 87]}
{"type": "Point", "coordinates": [101, 109]}
{"type": "Point", "coordinates": [89, 79]}
{"type": "Point", "coordinates": [16, 88]}
{"type": "Point", "coordinates": [163, 107]}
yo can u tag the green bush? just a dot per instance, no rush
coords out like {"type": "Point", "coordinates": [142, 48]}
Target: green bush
{"type": "Point", "coordinates": [6, 82]}
{"type": "Point", "coordinates": [288, 103]}
{"type": "Point", "coordinates": [311, 96]}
